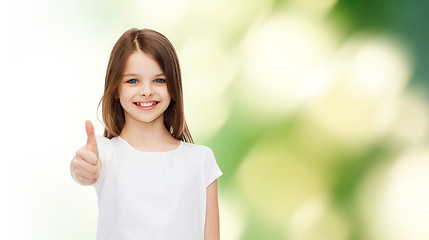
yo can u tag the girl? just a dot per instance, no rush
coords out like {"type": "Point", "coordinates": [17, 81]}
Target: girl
{"type": "Point", "coordinates": [152, 182]}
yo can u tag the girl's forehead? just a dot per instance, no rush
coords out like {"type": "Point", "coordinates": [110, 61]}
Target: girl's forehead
{"type": "Point", "coordinates": [140, 63]}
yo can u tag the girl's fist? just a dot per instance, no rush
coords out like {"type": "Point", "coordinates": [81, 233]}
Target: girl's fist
{"type": "Point", "coordinates": [86, 165]}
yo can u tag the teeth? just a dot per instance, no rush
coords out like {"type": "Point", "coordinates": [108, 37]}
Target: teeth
{"type": "Point", "coordinates": [147, 104]}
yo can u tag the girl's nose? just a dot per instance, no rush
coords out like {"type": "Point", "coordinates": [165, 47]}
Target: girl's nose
{"type": "Point", "coordinates": [146, 90]}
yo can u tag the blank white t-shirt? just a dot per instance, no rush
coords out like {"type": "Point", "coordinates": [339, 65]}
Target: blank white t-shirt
{"type": "Point", "coordinates": [153, 195]}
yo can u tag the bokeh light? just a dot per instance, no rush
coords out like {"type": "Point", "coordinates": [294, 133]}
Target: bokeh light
{"type": "Point", "coordinates": [369, 76]}
{"type": "Point", "coordinates": [279, 54]}
{"type": "Point", "coordinates": [396, 207]}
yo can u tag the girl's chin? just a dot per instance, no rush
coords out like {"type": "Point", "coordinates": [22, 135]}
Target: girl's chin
{"type": "Point", "coordinates": [146, 121]}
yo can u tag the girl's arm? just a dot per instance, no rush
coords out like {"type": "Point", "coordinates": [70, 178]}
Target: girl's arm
{"type": "Point", "coordinates": [211, 230]}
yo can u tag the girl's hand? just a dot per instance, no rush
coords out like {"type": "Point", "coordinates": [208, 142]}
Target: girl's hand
{"type": "Point", "coordinates": [86, 165]}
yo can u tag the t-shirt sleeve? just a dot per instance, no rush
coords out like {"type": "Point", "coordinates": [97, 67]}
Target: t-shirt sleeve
{"type": "Point", "coordinates": [212, 170]}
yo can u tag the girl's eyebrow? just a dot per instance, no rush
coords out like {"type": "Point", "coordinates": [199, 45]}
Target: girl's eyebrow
{"type": "Point", "coordinates": [136, 75]}
{"type": "Point", "coordinates": [129, 74]}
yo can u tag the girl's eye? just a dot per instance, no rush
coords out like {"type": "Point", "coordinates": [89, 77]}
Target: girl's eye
{"type": "Point", "coordinates": [132, 81]}
{"type": "Point", "coordinates": [159, 80]}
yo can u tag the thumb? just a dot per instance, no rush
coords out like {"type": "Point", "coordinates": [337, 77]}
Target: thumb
{"type": "Point", "coordinates": [91, 143]}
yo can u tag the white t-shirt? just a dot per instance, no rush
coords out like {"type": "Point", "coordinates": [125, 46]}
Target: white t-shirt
{"type": "Point", "coordinates": [153, 195]}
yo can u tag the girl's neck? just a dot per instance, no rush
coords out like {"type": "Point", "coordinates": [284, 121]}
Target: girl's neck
{"type": "Point", "coordinates": [151, 136]}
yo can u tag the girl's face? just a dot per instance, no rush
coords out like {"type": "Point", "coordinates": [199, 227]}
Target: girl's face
{"type": "Point", "coordinates": [143, 89]}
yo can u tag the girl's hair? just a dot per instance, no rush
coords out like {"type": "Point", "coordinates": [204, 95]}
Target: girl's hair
{"type": "Point", "coordinates": [159, 47]}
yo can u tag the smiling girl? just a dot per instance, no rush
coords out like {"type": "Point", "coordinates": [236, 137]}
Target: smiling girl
{"type": "Point", "coordinates": [152, 182]}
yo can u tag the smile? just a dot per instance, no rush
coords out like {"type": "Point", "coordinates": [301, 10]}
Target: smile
{"type": "Point", "coordinates": [146, 105]}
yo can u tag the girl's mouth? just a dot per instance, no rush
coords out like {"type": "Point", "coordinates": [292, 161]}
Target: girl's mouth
{"type": "Point", "coordinates": [146, 104]}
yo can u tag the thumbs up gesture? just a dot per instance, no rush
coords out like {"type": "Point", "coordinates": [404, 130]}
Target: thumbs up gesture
{"type": "Point", "coordinates": [86, 165]}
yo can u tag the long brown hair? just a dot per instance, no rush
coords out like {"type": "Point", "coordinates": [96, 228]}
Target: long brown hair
{"type": "Point", "coordinates": [160, 48]}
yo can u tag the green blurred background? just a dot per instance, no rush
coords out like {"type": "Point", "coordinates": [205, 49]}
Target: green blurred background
{"type": "Point", "coordinates": [316, 110]}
